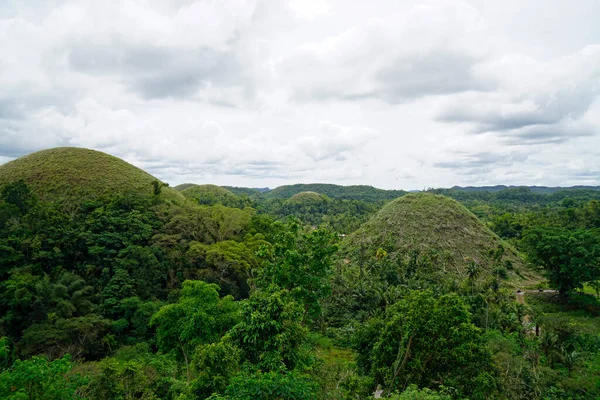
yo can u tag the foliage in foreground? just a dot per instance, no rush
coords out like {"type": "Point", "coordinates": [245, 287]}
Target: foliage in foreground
{"type": "Point", "coordinates": [40, 378]}
{"type": "Point", "coordinates": [429, 342]}
{"type": "Point", "coordinates": [186, 301]}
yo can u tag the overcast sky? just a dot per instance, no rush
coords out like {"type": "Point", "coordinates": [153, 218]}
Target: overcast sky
{"type": "Point", "coordinates": [395, 94]}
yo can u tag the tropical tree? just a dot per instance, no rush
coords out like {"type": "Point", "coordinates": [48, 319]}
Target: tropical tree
{"type": "Point", "coordinates": [40, 378]}
{"type": "Point", "coordinates": [549, 345]}
{"type": "Point", "coordinates": [570, 359]}
{"type": "Point", "coordinates": [473, 271]}
{"type": "Point", "coordinates": [569, 257]}
{"type": "Point", "coordinates": [270, 386]}
{"type": "Point", "coordinates": [430, 342]}
{"type": "Point", "coordinates": [414, 393]}
{"type": "Point", "coordinates": [214, 365]}
{"type": "Point", "coordinates": [198, 317]}
{"type": "Point", "coordinates": [300, 262]}
{"type": "Point", "coordinates": [271, 333]}
{"type": "Point", "coordinates": [4, 352]}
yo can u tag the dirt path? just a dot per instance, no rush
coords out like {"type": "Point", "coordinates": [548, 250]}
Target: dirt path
{"type": "Point", "coordinates": [527, 323]}
{"type": "Point", "coordinates": [526, 317]}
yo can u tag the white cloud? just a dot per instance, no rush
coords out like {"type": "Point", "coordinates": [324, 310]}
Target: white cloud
{"type": "Point", "coordinates": [261, 92]}
{"type": "Point", "coordinates": [430, 49]}
{"type": "Point", "coordinates": [535, 102]}
{"type": "Point", "coordinates": [310, 9]}
{"type": "Point", "coordinates": [335, 141]}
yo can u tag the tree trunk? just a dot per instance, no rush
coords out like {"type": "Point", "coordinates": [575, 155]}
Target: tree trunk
{"type": "Point", "coordinates": [399, 367]}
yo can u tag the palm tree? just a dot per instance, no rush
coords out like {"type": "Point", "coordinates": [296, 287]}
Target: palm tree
{"type": "Point", "coordinates": [570, 359]}
{"type": "Point", "coordinates": [473, 272]}
{"type": "Point", "coordinates": [549, 343]}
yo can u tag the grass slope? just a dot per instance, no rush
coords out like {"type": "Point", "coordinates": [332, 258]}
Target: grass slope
{"type": "Point", "coordinates": [244, 191]}
{"type": "Point", "coordinates": [426, 222]}
{"type": "Point", "coordinates": [210, 195]}
{"type": "Point", "coordinates": [357, 192]}
{"type": "Point", "coordinates": [307, 198]}
{"type": "Point", "coordinates": [73, 175]}
{"type": "Point", "coordinates": [183, 186]}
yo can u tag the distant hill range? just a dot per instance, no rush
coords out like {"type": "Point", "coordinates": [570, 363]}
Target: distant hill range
{"type": "Point", "coordinates": [370, 193]}
{"type": "Point", "coordinates": [246, 191]}
{"type": "Point", "coordinates": [533, 189]}
{"type": "Point", "coordinates": [355, 192]}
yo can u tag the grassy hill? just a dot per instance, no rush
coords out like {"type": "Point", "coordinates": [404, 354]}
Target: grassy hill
{"type": "Point", "coordinates": [442, 232]}
{"type": "Point", "coordinates": [307, 198]}
{"type": "Point", "coordinates": [533, 189]}
{"type": "Point", "coordinates": [357, 192]}
{"type": "Point", "coordinates": [183, 186]}
{"type": "Point", "coordinates": [239, 191]}
{"type": "Point", "coordinates": [71, 174]}
{"type": "Point", "coordinates": [211, 195]}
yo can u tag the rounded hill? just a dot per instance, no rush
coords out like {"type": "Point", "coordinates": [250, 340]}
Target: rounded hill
{"type": "Point", "coordinates": [184, 186]}
{"type": "Point", "coordinates": [307, 197]}
{"type": "Point", "coordinates": [433, 228]}
{"type": "Point", "coordinates": [74, 175]}
{"type": "Point", "coordinates": [211, 195]}
{"type": "Point", "coordinates": [356, 192]}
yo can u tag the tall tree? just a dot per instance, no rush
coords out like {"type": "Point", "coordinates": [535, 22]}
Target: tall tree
{"type": "Point", "coordinates": [430, 342]}
{"type": "Point", "coordinates": [39, 378]}
{"type": "Point", "coordinates": [198, 317]}
{"type": "Point", "coordinates": [271, 333]}
{"type": "Point", "coordinates": [301, 262]}
{"type": "Point", "coordinates": [569, 257]}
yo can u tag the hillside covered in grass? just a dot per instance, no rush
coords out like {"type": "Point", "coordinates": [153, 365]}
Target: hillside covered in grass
{"type": "Point", "coordinates": [356, 192]}
{"type": "Point", "coordinates": [211, 195]}
{"type": "Point", "coordinates": [257, 192]}
{"type": "Point", "coordinates": [71, 174]}
{"type": "Point", "coordinates": [420, 241]}
{"type": "Point", "coordinates": [184, 186]}
{"type": "Point", "coordinates": [307, 198]}
{"type": "Point", "coordinates": [432, 225]}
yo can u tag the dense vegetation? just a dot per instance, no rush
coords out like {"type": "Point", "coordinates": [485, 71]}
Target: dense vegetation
{"type": "Point", "coordinates": [117, 287]}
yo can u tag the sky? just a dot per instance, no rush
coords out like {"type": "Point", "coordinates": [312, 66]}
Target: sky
{"type": "Point", "coordinates": [397, 94]}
